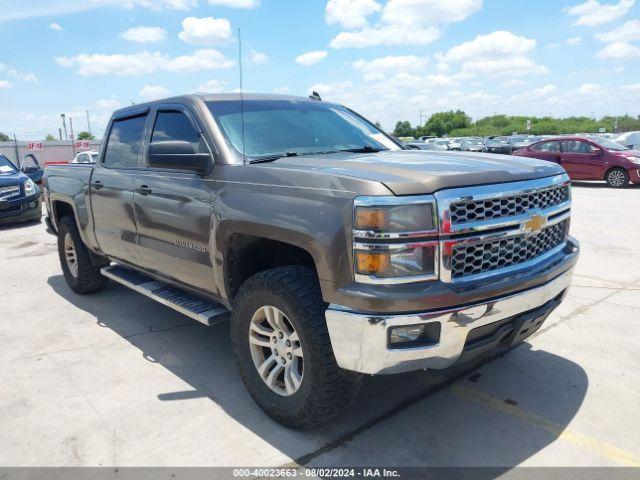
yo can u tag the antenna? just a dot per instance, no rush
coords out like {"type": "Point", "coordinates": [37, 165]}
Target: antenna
{"type": "Point", "coordinates": [244, 156]}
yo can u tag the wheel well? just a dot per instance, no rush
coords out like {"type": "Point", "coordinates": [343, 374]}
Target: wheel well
{"type": "Point", "coordinates": [247, 255]}
{"type": "Point", "coordinates": [62, 209]}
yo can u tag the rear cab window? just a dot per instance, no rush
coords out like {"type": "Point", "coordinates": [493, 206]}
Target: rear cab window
{"type": "Point", "coordinates": [126, 139]}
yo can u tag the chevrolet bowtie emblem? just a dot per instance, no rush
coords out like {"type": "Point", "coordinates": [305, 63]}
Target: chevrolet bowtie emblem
{"type": "Point", "coordinates": [535, 224]}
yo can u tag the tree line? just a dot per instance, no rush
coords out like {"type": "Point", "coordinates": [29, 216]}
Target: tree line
{"type": "Point", "coordinates": [458, 124]}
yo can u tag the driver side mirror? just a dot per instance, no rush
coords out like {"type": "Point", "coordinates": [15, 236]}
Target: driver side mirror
{"type": "Point", "coordinates": [177, 155]}
{"type": "Point", "coordinates": [29, 169]}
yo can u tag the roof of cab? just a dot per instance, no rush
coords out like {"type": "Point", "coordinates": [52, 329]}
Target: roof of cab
{"type": "Point", "coordinates": [212, 97]}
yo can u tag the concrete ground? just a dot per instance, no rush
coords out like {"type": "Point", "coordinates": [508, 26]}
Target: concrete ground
{"type": "Point", "coordinates": [116, 379]}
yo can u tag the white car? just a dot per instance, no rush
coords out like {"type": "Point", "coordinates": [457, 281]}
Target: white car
{"type": "Point", "coordinates": [630, 140]}
{"type": "Point", "coordinates": [86, 157]}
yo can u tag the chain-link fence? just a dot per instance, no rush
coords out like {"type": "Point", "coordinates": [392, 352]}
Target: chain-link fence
{"type": "Point", "coordinates": [47, 151]}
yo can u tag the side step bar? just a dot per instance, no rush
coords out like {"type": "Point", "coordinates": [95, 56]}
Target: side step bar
{"type": "Point", "coordinates": [206, 312]}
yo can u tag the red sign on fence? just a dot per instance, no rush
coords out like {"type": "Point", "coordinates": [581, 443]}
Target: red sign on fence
{"type": "Point", "coordinates": [35, 146]}
{"type": "Point", "coordinates": [82, 145]}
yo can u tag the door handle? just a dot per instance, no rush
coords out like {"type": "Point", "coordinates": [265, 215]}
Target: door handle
{"type": "Point", "coordinates": [143, 190]}
{"type": "Point", "coordinates": [97, 185]}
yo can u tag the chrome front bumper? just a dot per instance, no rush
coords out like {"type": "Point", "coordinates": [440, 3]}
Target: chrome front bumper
{"type": "Point", "coordinates": [360, 341]}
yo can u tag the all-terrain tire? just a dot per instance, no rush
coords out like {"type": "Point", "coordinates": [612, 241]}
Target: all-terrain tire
{"type": "Point", "coordinates": [326, 390]}
{"type": "Point", "coordinates": [87, 277]}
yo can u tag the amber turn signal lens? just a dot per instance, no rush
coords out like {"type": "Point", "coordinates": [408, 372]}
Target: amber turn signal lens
{"type": "Point", "coordinates": [371, 218]}
{"type": "Point", "coordinates": [370, 263]}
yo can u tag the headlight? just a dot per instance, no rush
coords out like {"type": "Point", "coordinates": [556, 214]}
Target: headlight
{"type": "Point", "coordinates": [29, 188]}
{"type": "Point", "coordinates": [635, 160]}
{"type": "Point", "coordinates": [395, 239]}
{"type": "Point", "coordinates": [408, 262]}
{"type": "Point", "coordinates": [383, 219]}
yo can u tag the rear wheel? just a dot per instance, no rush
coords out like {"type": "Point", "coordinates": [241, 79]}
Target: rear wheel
{"type": "Point", "coordinates": [283, 350]}
{"type": "Point", "coordinates": [617, 178]}
{"type": "Point", "coordinates": [78, 269]}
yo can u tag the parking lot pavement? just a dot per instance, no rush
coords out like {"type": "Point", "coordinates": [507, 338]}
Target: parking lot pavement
{"type": "Point", "coordinates": [116, 379]}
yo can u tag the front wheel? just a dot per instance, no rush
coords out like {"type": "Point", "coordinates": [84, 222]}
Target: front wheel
{"type": "Point", "coordinates": [78, 269]}
{"type": "Point", "coordinates": [617, 178]}
{"type": "Point", "coordinates": [283, 350]}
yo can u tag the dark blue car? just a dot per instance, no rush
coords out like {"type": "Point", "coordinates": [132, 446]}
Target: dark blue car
{"type": "Point", "coordinates": [19, 195]}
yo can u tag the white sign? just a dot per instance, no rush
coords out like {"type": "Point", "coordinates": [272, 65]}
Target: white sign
{"type": "Point", "coordinates": [528, 124]}
{"type": "Point", "coordinates": [35, 146]}
{"type": "Point", "coordinates": [82, 145]}
{"type": "Point", "coordinates": [602, 130]}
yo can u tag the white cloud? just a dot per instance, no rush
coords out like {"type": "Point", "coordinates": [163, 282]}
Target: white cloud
{"type": "Point", "coordinates": [350, 13]}
{"type": "Point", "coordinates": [312, 57]}
{"type": "Point", "coordinates": [17, 74]}
{"type": "Point", "coordinates": [153, 92]}
{"type": "Point", "coordinates": [236, 3]}
{"type": "Point", "coordinates": [493, 45]}
{"type": "Point", "coordinates": [55, 26]}
{"type": "Point", "coordinates": [496, 54]}
{"type": "Point", "coordinates": [403, 63]}
{"type": "Point", "coordinates": [211, 86]}
{"type": "Point", "coordinates": [205, 31]}
{"type": "Point", "coordinates": [144, 63]}
{"type": "Point", "coordinates": [574, 41]}
{"type": "Point", "coordinates": [5, 84]}
{"type": "Point", "coordinates": [402, 22]}
{"type": "Point", "coordinates": [107, 104]}
{"type": "Point", "coordinates": [258, 58]}
{"type": "Point", "coordinates": [587, 89]}
{"type": "Point", "coordinates": [283, 89]}
{"type": "Point", "coordinates": [513, 82]}
{"type": "Point", "coordinates": [619, 51]}
{"type": "Point", "coordinates": [541, 93]}
{"type": "Point", "coordinates": [145, 34]}
{"type": "Point", "coordinates": [627, 32]}
{"type": "Point", "coordinates": [592, 12]}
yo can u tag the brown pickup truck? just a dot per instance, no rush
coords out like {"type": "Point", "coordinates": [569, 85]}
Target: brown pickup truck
{"type": "Point", "coordinates": [335, 251]}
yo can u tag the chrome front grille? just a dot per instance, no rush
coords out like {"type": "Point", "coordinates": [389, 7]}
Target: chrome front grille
{"type": "Point", "coordinates": [9, 192]}
{"type": "Point", "coordinates": [493, 229]}
{"type": "Point", "coordinates": [482, 257]}
{"type": "Point", "coordinates": [503, 207]}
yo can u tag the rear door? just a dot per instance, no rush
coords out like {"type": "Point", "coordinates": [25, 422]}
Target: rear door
{"type": "Point", "coordinates": [173, 208]}
{"type": "Point", "coordinates": [549, 151]}
{"type": "Point", "coordinates": [112, 185]}
{"type": "Point", "coordinates": [582, 160]}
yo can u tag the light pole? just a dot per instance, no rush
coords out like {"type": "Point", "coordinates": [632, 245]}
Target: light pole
{"type": "Point", "coordinates": [64, 126]}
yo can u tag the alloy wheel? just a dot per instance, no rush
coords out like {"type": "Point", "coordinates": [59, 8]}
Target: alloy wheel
{"type": "Point", "coordinates": [70, 255]}
{"type": "Point", "coordinates": [276, 350]}
{"type": "Point", "coordinates": [616, 178]}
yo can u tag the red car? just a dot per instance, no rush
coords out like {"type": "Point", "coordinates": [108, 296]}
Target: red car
{"type": "Point", "coordinates": [589, 158]}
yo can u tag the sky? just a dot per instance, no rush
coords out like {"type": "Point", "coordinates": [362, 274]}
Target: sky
{"type": "Point", "coordinates": [389, 60]}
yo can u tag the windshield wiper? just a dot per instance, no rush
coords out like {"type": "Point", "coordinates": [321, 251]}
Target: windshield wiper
{"type": "Point", "coordinates": [365, 149]}
{"type": "Point", "coordinates": [273, 158]}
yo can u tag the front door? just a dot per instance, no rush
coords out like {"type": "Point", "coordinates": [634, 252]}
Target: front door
{"type": "Point", "coordinates": [112, 185]}
{"type": "Point", "coordinates": [173, 210]}
{"type": "Point", "coordinates": [582, 160]}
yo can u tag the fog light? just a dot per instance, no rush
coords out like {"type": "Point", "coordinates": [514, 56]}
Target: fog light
{"type": "Point", "coordinates": [414, 335]}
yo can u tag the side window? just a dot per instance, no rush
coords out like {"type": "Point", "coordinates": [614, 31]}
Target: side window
{"type": "Point", "coordinates": [172, 125]}
{"type": "Point", "coordinates": [30, 162]}
{"type": "Point", "coordinates": [547, 147]}
{"type": "Point", "coordinates": [576, 146]}
{"type": "Point", "coordinates": [125, 142]}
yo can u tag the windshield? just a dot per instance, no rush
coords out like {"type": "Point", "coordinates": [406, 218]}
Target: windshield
{"type": "Point", "coordinates": [6, 167]}
{"type": "Point", "coordinates": [609, 144]}
{"type": "Point", "coordinates": [281, 127]}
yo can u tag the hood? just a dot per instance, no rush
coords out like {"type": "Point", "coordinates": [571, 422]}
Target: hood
{"type": "Point", "coordinates": [628, 153]}
{"type": "Point", "coordinates": [415, 172]}
{"type": "Point", "coordinates": [17, 178]}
